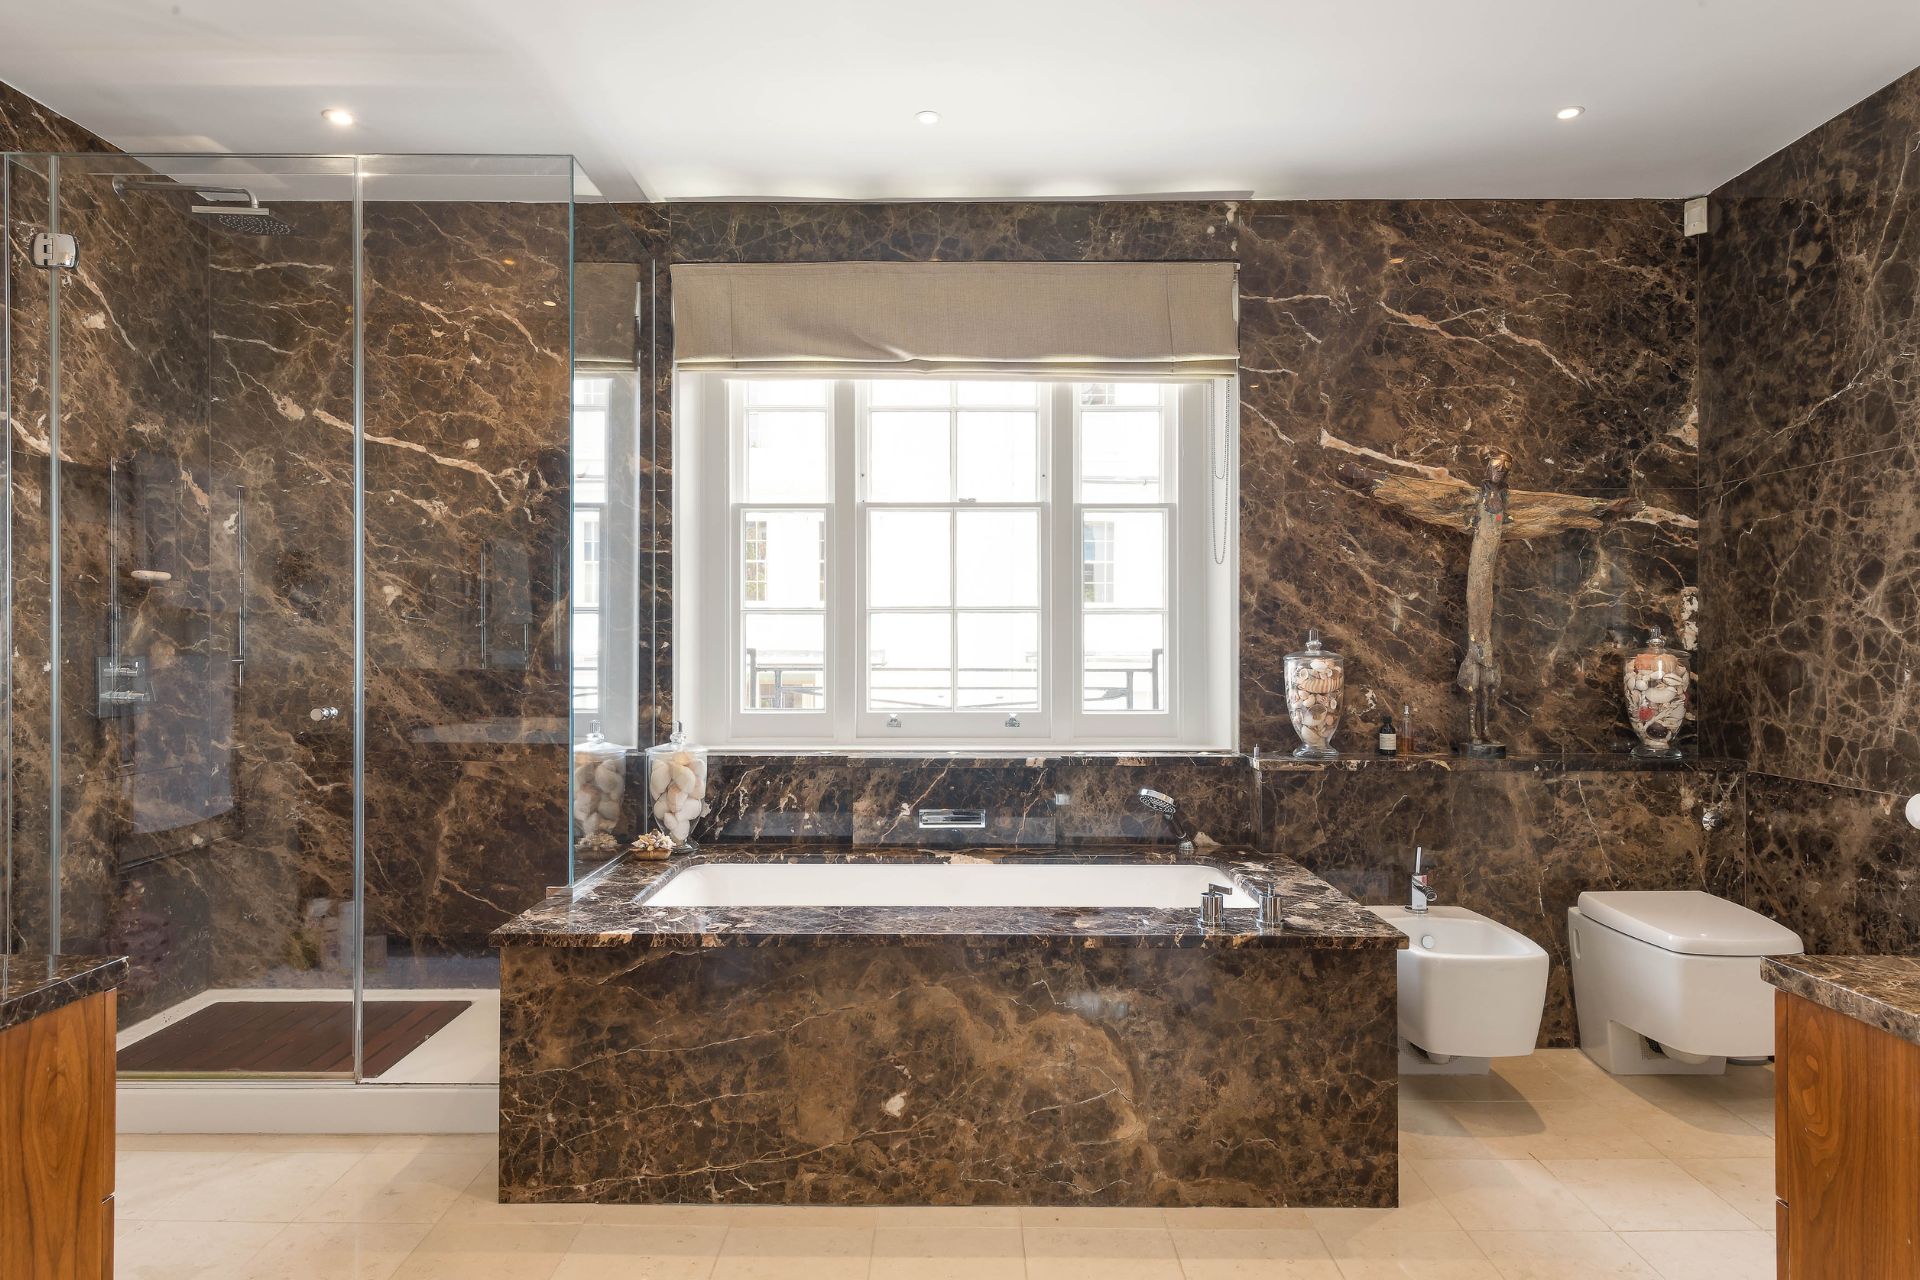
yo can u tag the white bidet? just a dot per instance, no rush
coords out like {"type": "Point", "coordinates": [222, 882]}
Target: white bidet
{"type": "Point", "coordinates": [1471, 990]}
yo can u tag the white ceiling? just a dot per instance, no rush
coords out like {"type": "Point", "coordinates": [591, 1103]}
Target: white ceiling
{"type": "Point", "coordinates": [762, 99]}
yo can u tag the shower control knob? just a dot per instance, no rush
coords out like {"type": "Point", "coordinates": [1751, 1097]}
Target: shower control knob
{"type": "Point", "coordinates": [324, 713]}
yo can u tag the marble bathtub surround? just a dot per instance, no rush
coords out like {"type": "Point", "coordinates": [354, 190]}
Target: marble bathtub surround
{"type": "Point", "coordinates": [934, 1056]}
{"type": "Point", "coordinates": [610, 910]}
{"type": "Point", "coordinates": [32, 985]}
{"type": "Point", "coordinates": [1881, 990]}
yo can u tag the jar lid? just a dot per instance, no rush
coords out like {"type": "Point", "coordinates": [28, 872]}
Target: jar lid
{"type": "Point", "coordinates": [1314, 648]}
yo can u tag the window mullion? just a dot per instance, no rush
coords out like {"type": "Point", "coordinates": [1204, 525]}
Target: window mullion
{"type": "Point", "coordinates": [846, 574]}
{"type": "Point", "coordinates": [1062, 597]}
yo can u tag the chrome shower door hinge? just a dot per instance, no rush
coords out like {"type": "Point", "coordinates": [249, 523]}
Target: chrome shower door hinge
{"type": "Point", "coordinates": [55, 249]}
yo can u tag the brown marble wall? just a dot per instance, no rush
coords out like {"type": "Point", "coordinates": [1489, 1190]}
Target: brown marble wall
{"type": "Point", "coordinates": [947, 1074]}
{"type": "Point", "coordinates": [1404, 335]}
{"type": "Point", "coordinates": [1518, 844]}
{"type": "Point", "coordinates": [1810, 421]}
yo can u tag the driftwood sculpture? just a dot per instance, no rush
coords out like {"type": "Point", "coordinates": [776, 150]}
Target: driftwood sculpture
{"type": "Point", "coordinates": [1489, 512]}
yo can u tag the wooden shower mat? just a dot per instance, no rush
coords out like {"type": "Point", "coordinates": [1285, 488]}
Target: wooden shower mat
{"type": "Point", "coordinates": [289, 1036]}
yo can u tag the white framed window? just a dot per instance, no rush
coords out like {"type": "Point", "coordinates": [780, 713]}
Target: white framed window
{"type": "Point", "coordinates": [955, 562]}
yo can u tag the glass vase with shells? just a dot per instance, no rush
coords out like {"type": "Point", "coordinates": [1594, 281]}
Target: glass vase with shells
{"type": "Point", "coordinates": [1316, 687]}
{"type": "Point", "coordinates": [1656, 682]}
{"type": "Point", "coordinates": [676, 794]}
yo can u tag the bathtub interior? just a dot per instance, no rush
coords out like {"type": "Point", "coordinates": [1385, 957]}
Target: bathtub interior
{"type": "Point", "coordinates": [964, 884]}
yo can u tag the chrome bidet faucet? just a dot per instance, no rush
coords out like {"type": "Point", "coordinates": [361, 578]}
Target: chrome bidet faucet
{"type": "Point", "coordinates": [1422, 891]}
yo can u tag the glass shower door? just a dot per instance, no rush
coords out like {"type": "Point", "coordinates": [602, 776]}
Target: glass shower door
{"type": "Point", "coordinates": [199, 512]}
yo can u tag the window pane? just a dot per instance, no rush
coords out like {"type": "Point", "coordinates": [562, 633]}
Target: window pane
{"type": "Point", "coordinates": [907, 458]}
{"type": "Point", "coordinates": [1125, 665]}
{"type": "Point", "coordinates": [1120, 453]}
{"type": "Point", "coordinates": [785, 661]}
{"type": "Point", "coordinates": [997, 561]}
{"type": "Point", "coordinates": [909, 391]}
{"type": "Point", "coordinates": [787, 391]}
{"type": "Point", "coordinates": [786, 456]}
{"type": "Point", "coordinates": [999, 456]}
{"type": "Point", "coordinates": [909, 662]}
{"type": "Point", "coordinates": [908, 559]}
{"type": "Point", "coordinates": [783, 559]}
{"type": "Point", "coordinates": [1123, 557]}
{"type": "Point", "coordinates": [995, 393]}
{"type": "Point", "coordinates": [999, 661]}
{"type": "Point", "coordinates": [1133, 393]}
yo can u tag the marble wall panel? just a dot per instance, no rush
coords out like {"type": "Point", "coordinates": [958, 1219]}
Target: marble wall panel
{"type": "Point", "coordinates": [1516, 843]}
{"type": "Point", "coordinates": [1408, 334]}
{"type": "Point", "coordinates": [944, 1074]}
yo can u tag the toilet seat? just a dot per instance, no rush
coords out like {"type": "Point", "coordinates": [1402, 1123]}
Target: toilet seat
{"type": "Point", "coordinates": [1689, 922]}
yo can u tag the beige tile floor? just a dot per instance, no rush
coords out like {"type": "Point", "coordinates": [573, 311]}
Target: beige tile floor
{"type": "Point", "coordinates": [1547, 1169]}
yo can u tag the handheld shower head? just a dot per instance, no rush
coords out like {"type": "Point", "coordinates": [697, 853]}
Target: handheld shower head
{"type": "Point", "coordinates": [1163, 804]}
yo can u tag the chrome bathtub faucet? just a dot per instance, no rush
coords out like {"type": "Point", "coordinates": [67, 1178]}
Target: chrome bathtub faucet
{"type": "Point", "coordinates": [1422, 891]}
{"type": "Point", "coordinates": [1213, 903]}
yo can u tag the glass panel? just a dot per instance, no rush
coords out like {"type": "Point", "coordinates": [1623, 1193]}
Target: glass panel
{"type": "Point", "coordinates": [995, 394]}
{"type": "Point", "coordinates": [910, 662]}
{"type": "Point", "coordinates": [786, 456]}
{"type": "Point", "coordinates": [783, 559]}
{"type": "Point", "coordinates": [785, 661]}
{"type": "Point", "coordinates": [196, 519]}
{"type": "Point", "coordinates": [788, 392]}
{"type": "Point", "coordinates": [1120, 455]}
{"type": "Point", "coordinates": [1122, 393]}
{"type": "Point", "coordinates": [997, 559]}
{"type": "Point", "coordinates": [999, 661]}
{"type": "Point", "coordinates": [909, 559]}
{"type": "Point", "coordinates": [1124, 558]}
{"type": "Point", "coordinates": [909, 391]}
{"type": "Point", "coordinates": [999, 456]}
{"type": "Point", "coordinates": [908, 458]}
{"type": "Point", "coordinates": [1125, 663]}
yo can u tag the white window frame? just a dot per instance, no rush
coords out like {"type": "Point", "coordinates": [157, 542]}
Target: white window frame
{"type": "Point", "coordinates": [1200, 576]}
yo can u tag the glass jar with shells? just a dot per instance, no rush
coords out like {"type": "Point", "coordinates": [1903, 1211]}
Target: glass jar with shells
{"type": "Point", "coordinates": [599, 782]}
{"type": "Point", "coordinates": [676, 790]}
{"type": "Point", "coordinates": [1316, 686]}
{"type": "Point", "coordinates": [1656, 682]}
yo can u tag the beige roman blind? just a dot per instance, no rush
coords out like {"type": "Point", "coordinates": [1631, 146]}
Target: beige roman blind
{"type": "Point", "coordinates": [1053, 318]}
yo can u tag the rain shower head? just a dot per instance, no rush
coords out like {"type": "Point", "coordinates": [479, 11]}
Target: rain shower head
{"type": "Point", "coordinates": [247, 219]}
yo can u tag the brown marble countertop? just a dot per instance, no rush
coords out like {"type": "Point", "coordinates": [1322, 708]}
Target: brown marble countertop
{"type": "Point", "coordinates": [608, 909]}
{"type": "Point", "coordinates": [34, 985]}
{"type": "Point", "coordinates": [1882, 991]}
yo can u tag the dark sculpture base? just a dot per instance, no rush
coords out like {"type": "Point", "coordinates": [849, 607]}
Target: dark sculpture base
{"type": "Point", "coordinates": [1482, 750]}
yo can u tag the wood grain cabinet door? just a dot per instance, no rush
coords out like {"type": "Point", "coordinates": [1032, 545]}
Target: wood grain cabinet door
{"type": "Point", "coordinates": [56, 1144]}
{"type": "Point", "coordinates": [1847, 1147]}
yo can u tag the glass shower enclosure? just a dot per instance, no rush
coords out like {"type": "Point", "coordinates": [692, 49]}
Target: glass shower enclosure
{"type": "Point", "coordinates": [291, 512]}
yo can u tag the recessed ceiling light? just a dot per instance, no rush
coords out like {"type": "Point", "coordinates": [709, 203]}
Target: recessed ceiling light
{"type": "Point", "coordinates": [1568, 113]}
{"type": "Point", "coordinates": [927, 117]}
{"type": "Point", "coordinates": [337, 115]}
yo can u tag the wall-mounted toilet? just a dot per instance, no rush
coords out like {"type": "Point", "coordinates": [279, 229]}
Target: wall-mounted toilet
{"type": "Point", "coordinates": [1668, 982]}
{"type": "Point", "coordinates": [1471, 990]}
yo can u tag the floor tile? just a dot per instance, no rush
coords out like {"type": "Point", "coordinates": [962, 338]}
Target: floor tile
{"type": "Point", "coordinates": [186, 1250]}
{"type": "Point", "coordinates": [662, 1252]}
{"type": "Point", "coordinates": [1702, 1133]}
{"type": "Point", "coordinates": [1645, 1195]}
{"type": "Point", "coordinates": [1432, 1130]}
{"type": "Point", "coordinates": [395, 1186]}
{"type": "Point", "coordinates": [488, 1251]}
{"type": "Point", "coordinates": [1563, 1255]}
{"type": "Point", "coordinates": [479, 1201]}
{"type": "Point", "coordinates": [1101, 1253]}
{"type": "Point", "coordinates": [948, 1253]}
{"type": "Point", "coordinates": [1746, 1184]}
{"type": "Point", "coordinates": [1485, 1195]}
{"type": "Point", "coordinates": [1237, 1219]}
{"type": "Point", "coordinates": [1075, 1216]}
{"type": "Point", "coordinates": [1004, 1215]}
{"type": "Point", "coordinates": [1553, 1128]}
{"type": "Point", "coordinates": [256, 1186]}
{"type": "Point", "coordinates": [1706, 1255]}
{"type": "Point", "coordinates": [1295, 1253]}
{"type": "Point", "coordinates": [1420, 1210]}
{"type": "Point", "coordinates": [1427, 1255]}
{"type": "Point", "coordinates": [334, 1251]}
{"type": "Point", "coordinates": [144, 1180]}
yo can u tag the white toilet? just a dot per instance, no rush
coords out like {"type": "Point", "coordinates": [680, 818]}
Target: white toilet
{"type": "Point", "coordinates": [1668, 982]}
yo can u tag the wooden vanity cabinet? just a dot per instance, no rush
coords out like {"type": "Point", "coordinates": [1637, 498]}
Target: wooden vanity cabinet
{"type": "Point", "coordinates": [56, 1144]}
{"type": "Point", "coordinates": [1846, 1146]}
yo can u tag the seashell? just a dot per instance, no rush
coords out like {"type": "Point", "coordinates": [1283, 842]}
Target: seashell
{"type": "Point", "coordinates": [583, 801]}
{"type": "Point", "coordinates": [657, 775]}
{"type": "Point", "coordinates": [689, 809]}
{"type": "Point", "coordinates": [682, 778]}
{"type": "Point", "coordinates": [609, 776]}
{"type": "Point", "coordinates": [661, 808]}
{"type": "Point", "coordinates": [609, 808]}
{"type": "Point", "coordinates": [681, 758]}
{"type": "Point", "coordinates": [1319, 681]}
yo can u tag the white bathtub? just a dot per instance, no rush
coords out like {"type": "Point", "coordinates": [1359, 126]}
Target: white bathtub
{"type": "Point", "coordinates": [940, 884]}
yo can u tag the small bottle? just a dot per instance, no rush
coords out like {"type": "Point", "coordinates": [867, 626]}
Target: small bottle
{"type": "Point", "coordinates": [1406, 727]}
{"type": "Point", "coordinates": [1387, 743]}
